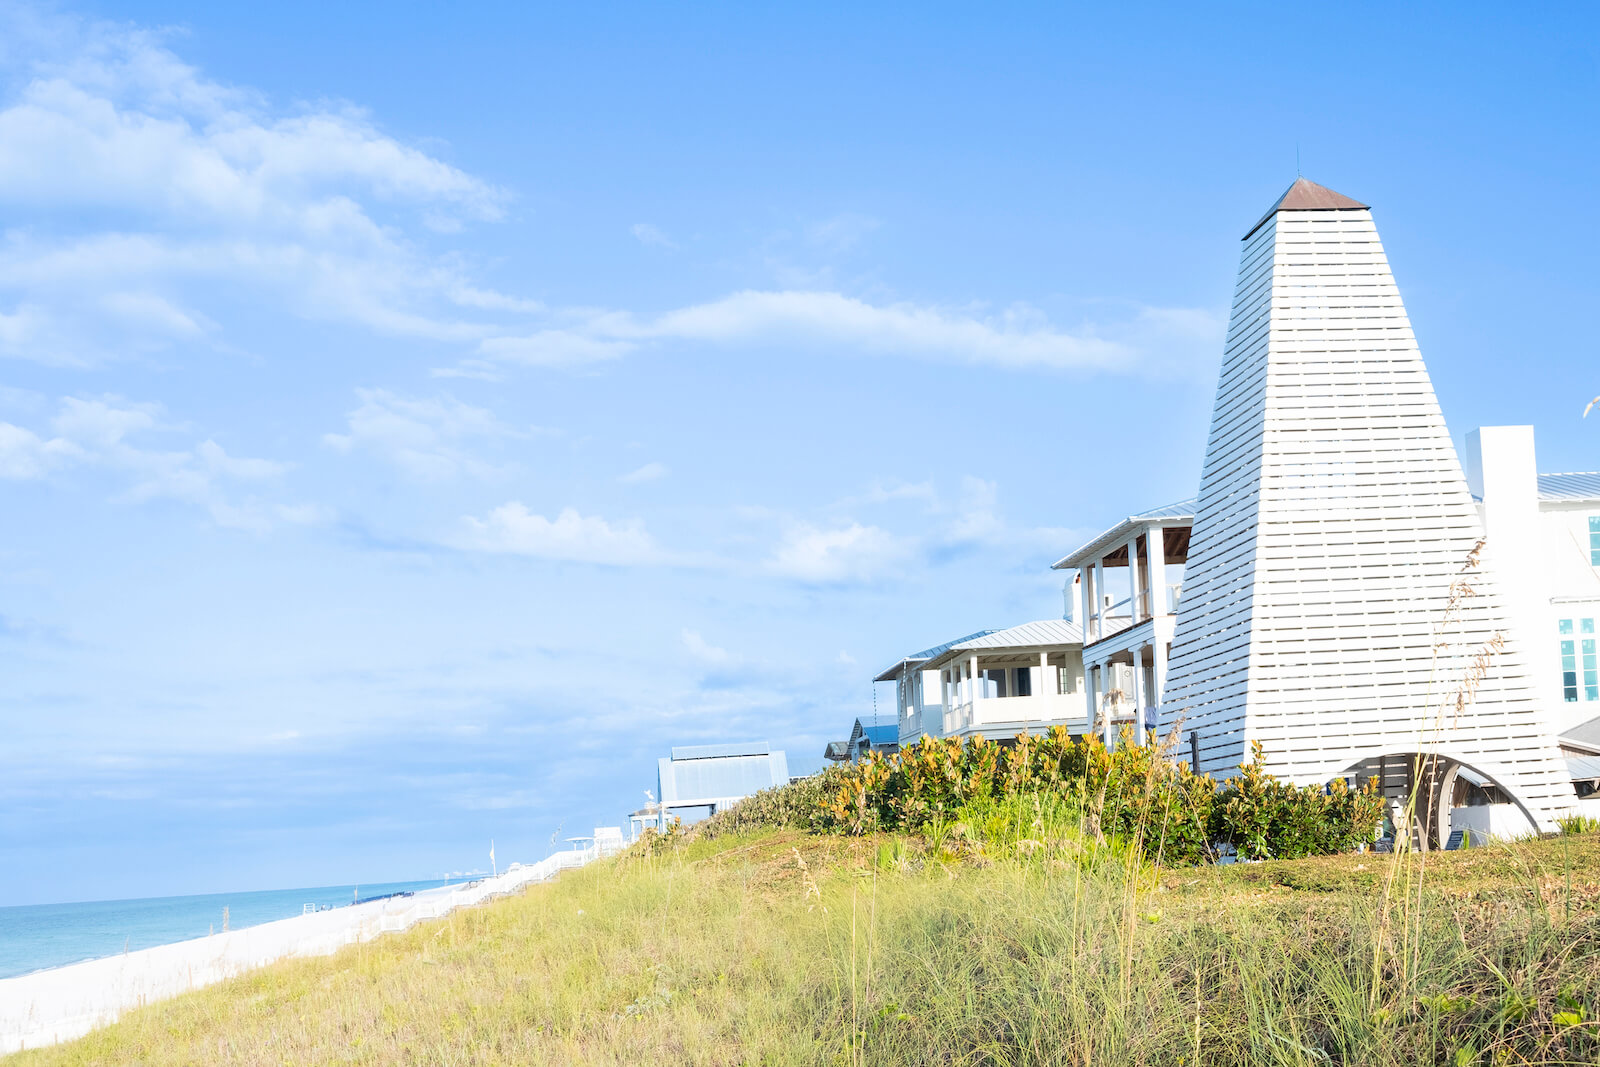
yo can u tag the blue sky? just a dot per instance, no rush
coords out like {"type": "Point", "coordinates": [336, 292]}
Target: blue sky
{"type": "Point", "coordinates": [413, 423]}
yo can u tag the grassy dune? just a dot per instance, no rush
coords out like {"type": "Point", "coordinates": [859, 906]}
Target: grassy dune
{"type": "Point", "coordinates": [782, 948]}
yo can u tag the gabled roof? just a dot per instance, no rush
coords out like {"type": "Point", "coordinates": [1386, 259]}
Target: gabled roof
{"type": "Point", "coordinates": [1307, 195]}
{"type": "Point", "coordinates": [741, 748]}
{"type": "Point", "coordinates": [926, 654]}
{"type": "Point", "coordinates": [1577, 486]}
{"type": "Point", "coordinates": [1046, 633]}
{"type": "Point", "coordinates": [1171, 515]}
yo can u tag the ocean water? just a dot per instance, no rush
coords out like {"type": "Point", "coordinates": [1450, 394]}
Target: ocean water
{"type": "Point", "coordinates": [36, 936]}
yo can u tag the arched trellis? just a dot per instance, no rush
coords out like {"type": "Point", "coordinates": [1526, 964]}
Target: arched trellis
{"type": "Point", "coordinates": [1445, 767]}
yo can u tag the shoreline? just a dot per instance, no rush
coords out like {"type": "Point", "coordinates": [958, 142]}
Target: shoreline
{"type": "Point", "coordinates": [58, 1004]}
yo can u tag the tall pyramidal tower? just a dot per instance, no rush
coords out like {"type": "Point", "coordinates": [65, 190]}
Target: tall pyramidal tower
{"type": "Point", "coordinates": [1331, 607]}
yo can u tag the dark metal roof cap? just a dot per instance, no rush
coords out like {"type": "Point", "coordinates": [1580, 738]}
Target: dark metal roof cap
{"type": "Point", "coordinates": [1307, 195]}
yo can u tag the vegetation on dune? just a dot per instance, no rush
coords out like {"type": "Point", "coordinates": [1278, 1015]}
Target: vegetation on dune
{"type": "Point", "coordinates": [1134, 793]}
{"type": "Point", "coordinates": [1022, 939]}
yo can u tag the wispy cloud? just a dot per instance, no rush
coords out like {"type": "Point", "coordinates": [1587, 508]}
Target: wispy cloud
{"type": "Point", "coordinates": [648, 234]}
{"type": "Point", "coordinates": [650, 472]}
{"type": "Point", "coordinates": [853, 553]}
{"type": "Point", "coordinates": [98, 433]}
{"type": "Point", "coordinates": [513, 529]}
{"type": "Point", "coordinates": [430, 439]}
{"type": "Point", "coordinates": [703, 650]}
{"type": "Point", "coordinates": [1017, 337]}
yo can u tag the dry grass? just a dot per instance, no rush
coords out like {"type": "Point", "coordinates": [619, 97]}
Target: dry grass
{"type": "Point", "coordinates": [785, 948]}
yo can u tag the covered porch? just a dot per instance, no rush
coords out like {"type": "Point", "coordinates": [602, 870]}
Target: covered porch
{"type": "Point", "coordinates": [1025, 679]}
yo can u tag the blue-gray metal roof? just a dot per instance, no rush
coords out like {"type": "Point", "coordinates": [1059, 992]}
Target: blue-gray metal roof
{"type": "Point", "coordinates": [1182, 511]}
{"type": "Point", "coordinates": [1578, 486]}
{"type": "Point", "coordinates": [926, 654]}
{"type": "Point", "coordinates": [1585, 733]}
{"type": "Point", "coordinates": [739, 748]}
{"type": "Point", "coordinates": [1584, 768]}
{"type": "Point", "coordinates": [701, 779]}
{"type": "Point", "coordinates": [1046, 633]}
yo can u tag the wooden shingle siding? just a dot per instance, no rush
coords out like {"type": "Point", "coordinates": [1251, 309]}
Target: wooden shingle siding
{"type": "Point", "coordinates": [1332, 520]}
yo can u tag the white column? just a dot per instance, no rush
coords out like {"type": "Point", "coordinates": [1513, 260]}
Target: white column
{"type": "Point", "coordinates": [976, 679]}
{"type": "Point", "coordinates": [1047, 686]}
{"type": "Point", "coordinates": [1099, 597]}
{"type": "Point", "coordinates": [1138, 695]}
{"type": "Point", "coordinates": [1156, 553]}
{"type": "Point", "coordinates": [1133, 580]}
{"type": "Point", "coordinates": [1158, 669]}
{"type": "Point", "coordinates": [1086, 598]}
{"type": "Point", "coordinates": [1091, 685]}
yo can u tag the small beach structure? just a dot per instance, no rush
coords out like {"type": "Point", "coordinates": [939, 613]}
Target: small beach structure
{"type": "Point", "coordinates": [696, 781]}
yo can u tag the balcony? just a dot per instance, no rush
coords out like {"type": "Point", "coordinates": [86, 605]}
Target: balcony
{"type": "Point", "coordinates": [990, 711]}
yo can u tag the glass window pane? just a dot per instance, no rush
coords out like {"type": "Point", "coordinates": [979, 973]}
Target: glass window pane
{"type": "Point", "coordinates": [1565, 626]}
{"type": "Point", "coordinates": [1586, 626]}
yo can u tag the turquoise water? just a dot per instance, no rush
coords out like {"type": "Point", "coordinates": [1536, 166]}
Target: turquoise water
{"type": "Point", "coordinates": [36, 936]}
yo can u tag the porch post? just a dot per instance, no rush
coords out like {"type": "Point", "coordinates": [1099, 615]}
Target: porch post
{"type": "Point", "coordinates": [1045, 688]}
{"type": "Point", "coordinates": [1085, 579]}
{"type": "Point", "coordinates": [973, 671]}
{"type": "Point", "coordinates": [1158, 670]}
{"type": "Point", "coordinates": [1133, 580]}
{"type": "Point", "coordinates": [1138, 695]}
{"type": "Point", "coordinates": [1099, 597]}
{"type": "Point", "coordinates": [1155, 544]}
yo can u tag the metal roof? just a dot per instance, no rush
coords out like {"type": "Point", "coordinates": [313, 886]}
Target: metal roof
{"type": "Point", "coordinates": [1586, 734]}
{"type": "Point", "coordinates": [1579, 485]}
{"type": "Point", "coordinates": [1029, 635]}
{"type": "Point", "coordinates": [1307, 195]}
{"type": "Point", "coordinates": [718, 773]}
{"type": "Point", "coordinates": [1583, 768]}
{"type": "Point", "coordinates": [1174, 514]}
{"type": "Point", "coordinates": [742, 748]}
{"type": "Point", "coordinates": [926, 654]}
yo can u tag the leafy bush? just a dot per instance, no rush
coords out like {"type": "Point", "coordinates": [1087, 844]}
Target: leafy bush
{"type": "Point", "coordinates": [1264, 818]}
{"type": "Point", "coordinates": [1577, 823]}
{"type": "Point", "coordinates": [1134, 794]}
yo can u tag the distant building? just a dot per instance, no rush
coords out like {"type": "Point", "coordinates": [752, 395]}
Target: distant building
{"type": "Point", "coordinates": [863, 739]}
{"type": "Point", "coordinates": [697, 781]}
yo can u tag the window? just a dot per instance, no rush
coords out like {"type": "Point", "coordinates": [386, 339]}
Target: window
{"type": "Point", "coordinates": [1569, 666]}
{"type": "Point", "coordinates": [1025, 680]}
{"type": "Point", "coordinates": [1594, 540]}
{"type": "Point", "coordinates": [1591, 677]}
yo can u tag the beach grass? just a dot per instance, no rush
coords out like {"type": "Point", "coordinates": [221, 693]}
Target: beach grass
{"type": "Point", "coordinates": [781, 947]}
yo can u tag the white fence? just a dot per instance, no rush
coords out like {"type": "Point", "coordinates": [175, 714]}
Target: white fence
{"type": "Point", "coordinates": [67, 1002]}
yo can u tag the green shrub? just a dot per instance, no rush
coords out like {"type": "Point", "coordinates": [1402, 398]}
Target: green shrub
{"type": "Point", "coordinates": [1134, 794]}
{"type": "Point", "coordinates": [1264, 818]}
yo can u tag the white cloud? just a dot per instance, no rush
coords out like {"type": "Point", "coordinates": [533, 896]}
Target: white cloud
{"type": "Point", "coordinates": [648, 473]}
{"type": "Point", "coordinates": [313, 206]}
{"type": "Point", "coordinates": [97, 433]}
{"type": "Point", "coordinates": [24, 455]}
{"type": "Point", "coordinates": [1017, 337]}
{"type": "Point", "coordinates": [702, 650]}
{"type": "Point", "coordinates": [853, 553]}
{"type": "Point", "coordinates": [429, 439]}
{"type": "Point", "coordinates": [513, 529]}
{"type": "Point", "coordinates": [648, 234]}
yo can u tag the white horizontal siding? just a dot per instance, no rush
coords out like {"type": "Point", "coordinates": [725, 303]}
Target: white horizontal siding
{"type": "Point", "coordinates": [1332, 520]}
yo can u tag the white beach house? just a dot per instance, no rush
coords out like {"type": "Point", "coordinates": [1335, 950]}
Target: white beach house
{"type": "Point", "coordinates": [994, 683]}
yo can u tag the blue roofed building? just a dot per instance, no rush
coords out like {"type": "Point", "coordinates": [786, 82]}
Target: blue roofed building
{"type": "Point", "coordinates": [697, 781]}
{"type": "Point", "coordinates": [863, 739]}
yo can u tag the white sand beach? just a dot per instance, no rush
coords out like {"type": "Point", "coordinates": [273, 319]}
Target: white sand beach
{"type": "Point", "coordinates": [67, 1002]}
